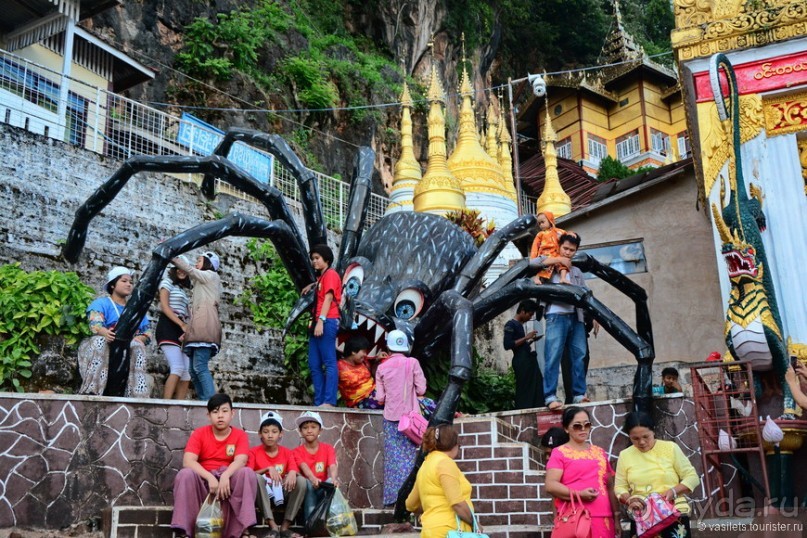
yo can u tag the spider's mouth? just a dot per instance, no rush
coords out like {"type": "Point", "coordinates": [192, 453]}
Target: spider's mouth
{"type": "Point", "coordinates": [373, 331]}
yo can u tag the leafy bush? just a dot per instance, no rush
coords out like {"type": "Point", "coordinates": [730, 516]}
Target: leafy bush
{"type": "Point", "coordinates": [270, 296]}
{"type": "Point", "coordinates": [471, 221]}
{"type": "Point", "coordinates": [35, 304]}
{"type": "Point", "coordinates": [487, 391]}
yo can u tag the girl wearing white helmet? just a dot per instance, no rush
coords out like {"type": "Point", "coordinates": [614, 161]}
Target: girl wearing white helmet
{"type": "Point", "coordinates": [203, 336]}
{"type": "Point", "coordinates": [93, 352]}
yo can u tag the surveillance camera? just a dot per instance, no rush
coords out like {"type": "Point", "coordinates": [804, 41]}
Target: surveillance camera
{"type": "Point", "coordinates": [538, 85]}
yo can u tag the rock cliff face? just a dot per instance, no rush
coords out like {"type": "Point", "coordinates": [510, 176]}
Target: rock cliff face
{"type": "Point", "coordinates": [153, 32]}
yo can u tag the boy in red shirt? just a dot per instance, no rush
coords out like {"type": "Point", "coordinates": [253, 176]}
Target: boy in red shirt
{"type": "Point", "coordinates": [214, 462]}
{"type": "Point", "coordinates": [316, 460]}
{"type": "Point", "coordinates": [276, 469]}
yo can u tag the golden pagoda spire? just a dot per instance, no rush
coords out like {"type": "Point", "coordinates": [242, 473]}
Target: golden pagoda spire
{"type": "Point", "coordinates": [505, 160]}
{"type": "Point", "coordinates": [407, 172]}
{"type": "Point", "coordinates": [439, 191]}
{"type": "Point", "coordinates": [553, 198]}
{"type": "Point", "coordinates": [492, 145]}
{"type": "Point", "coordinates": [479, 173]}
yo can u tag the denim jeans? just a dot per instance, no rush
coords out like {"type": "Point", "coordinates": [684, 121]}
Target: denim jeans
{"type": "Point", "coordinates": [562, 331]}
{"type": "Point", "coordinates": [322, 362]}
{"type": "Point", "coordinates": [200, 371]}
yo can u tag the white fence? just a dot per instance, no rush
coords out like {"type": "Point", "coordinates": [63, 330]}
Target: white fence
{"type": "Point", "coordinates": [118, 127]}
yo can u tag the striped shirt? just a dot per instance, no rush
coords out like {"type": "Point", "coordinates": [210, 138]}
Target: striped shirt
{"type": "Point", "coordinates": [177, 298]}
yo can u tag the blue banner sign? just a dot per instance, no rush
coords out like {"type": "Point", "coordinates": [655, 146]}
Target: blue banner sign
{"type": "Point", "coordinates": [202, 138]}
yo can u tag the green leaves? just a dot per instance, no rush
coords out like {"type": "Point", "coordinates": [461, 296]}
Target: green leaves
{"type": "Point", "coordinates": [270, 296]}
{"type": "Point", "coordinates": [35, 304]}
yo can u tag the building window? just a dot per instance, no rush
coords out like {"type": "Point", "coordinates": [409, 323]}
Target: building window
{"type": "Point", "coordinates": [659, 142]}
{"type": "Point", "coordinates": [628, 145]}
{"type": "Point", "coordinates": [597, 149]}
{"type": "Point", "coordinates": [683, 145]}
{"type": "Point", "coordinates": [627, 257]}
{"type": "Point", "coordinates": [564, 148]}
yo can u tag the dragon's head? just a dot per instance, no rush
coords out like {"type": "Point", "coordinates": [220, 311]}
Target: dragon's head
{"type": "Point", "coordinates": [403, 263]}
{"type": "Point", "coordinates": [741, 257]}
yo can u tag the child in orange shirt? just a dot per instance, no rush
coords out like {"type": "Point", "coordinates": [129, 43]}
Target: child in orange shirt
{"type": "Point", "coordinates": [276, 469]}
{"type": "Point", "coordinates": [546, 244]}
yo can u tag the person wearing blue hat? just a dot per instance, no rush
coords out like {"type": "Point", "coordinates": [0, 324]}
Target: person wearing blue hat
{"type": "Point", "coordinates": [203, 336]}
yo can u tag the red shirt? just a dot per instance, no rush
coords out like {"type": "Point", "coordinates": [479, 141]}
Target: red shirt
{"type": "Point", "coordinates": [284, 462]}
{"type": "Point", "coordinates": [319, 462]}
{"type": "Point", "coordinates": [214, 454]}
{"type": "Point", "coordinates": [329, 282]}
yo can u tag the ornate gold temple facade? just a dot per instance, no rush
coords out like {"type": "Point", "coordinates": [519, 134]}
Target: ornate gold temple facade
{"type": "Point", "coordinates": [632, 112]}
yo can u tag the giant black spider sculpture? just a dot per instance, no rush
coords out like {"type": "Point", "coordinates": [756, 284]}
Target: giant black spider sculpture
{"type": "Point", "coordinates": [415, 272]}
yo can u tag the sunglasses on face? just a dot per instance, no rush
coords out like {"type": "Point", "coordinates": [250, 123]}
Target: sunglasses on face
{"type": "Point", "coordinates": [578, 427]}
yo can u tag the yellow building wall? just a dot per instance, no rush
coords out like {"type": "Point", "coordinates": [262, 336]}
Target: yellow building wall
{"type": "Point", "coordinates": [84, 83]}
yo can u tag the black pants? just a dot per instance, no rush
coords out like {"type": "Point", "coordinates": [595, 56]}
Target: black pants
{"type": "Point", "coordinates": [529, 381]}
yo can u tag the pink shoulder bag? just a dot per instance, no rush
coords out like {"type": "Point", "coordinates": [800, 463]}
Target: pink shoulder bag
{"type": "Point", "coordinates": [412, 424]}
{"type": "Point", "coordinates": [573, 519]}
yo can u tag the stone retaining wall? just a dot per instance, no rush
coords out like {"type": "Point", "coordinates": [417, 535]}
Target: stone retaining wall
{"type": "Point", "coordinates": [67, 458]}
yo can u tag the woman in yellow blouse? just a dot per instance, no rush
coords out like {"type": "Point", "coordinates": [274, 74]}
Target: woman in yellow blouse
{"type": "Point", "coordinates": [441, 491]}
{"type": "Point", "coordinates": [654, 466]}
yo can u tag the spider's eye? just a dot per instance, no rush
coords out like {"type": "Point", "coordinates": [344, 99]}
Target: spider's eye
{"type": "Point", "coordinates": [408, 304]}
{"type": "Point", "coordinates": [351, 282]}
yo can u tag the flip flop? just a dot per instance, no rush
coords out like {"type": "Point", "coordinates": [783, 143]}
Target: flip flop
{"type": "Point", "coordinates": [555, 405]}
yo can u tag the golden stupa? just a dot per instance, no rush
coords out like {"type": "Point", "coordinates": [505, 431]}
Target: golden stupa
{"type": "Point", "coordinates": [553, 198]}
{"type": "Point", "coordinates": [439, 191]}
{"type": "Point", "coordinates": [506, 160]}
{"type": "Point", "coordinates": [478, 172]}
{"type": "Point", "coordinates": [407, 170]}
{"type": "Point", "coordinates": [491, 144]}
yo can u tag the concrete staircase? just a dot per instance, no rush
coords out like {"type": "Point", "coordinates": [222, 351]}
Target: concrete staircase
{"type": "Point", "coordinates": [507, 476]}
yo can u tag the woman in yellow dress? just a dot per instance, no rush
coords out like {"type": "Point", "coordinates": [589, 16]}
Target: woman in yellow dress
{"type": "Point", "coordinates": [651, 465]}
{"type": "Point", "coordinates": [441, 491]}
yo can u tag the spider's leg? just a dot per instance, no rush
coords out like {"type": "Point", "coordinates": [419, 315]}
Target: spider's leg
{"type": "Point", "coordinates": [357, 206]}
{"type": "Point", "coordinates": [635, 292]}
{"type": "Point", "coordinates": [138, 304]}
{"type": "Point", "coordinates": [520, 269]}
{"type": "Point", "coordinates": [450, 305]}
{"type": "Point", "coordinates": [306, 179]}
{"type": "Point", "coordinates": [214, 165]}
{"type": "Point", "coordinates": [491, 306]}
{"type": "Point", "coordinates": [475, 269]}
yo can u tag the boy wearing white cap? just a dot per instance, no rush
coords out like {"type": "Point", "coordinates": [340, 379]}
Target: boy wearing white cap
{"type": "Point", "coordinates": [278, 481]}
{"type": "Point", "coordinates": [317, 460]}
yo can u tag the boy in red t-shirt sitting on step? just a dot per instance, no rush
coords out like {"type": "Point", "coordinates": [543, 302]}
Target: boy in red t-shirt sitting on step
{"type": "Point", "coordinates": [278, 481]}
{"type": "Point", "coordinates": [316, 460]}
{"type": "Point", "coordinates": [214, 463]}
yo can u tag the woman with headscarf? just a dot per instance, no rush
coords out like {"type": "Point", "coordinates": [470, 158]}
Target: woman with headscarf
{"type": "Point", "coordinates": [93, 352]}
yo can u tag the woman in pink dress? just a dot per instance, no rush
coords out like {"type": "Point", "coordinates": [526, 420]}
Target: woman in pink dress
{"type": "Point", "coordinates": [579, 466]}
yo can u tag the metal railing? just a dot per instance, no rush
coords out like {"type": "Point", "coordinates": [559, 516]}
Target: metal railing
{"type": "Point", "coordinates": [118, 127]}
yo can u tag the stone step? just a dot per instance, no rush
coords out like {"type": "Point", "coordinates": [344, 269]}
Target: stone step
{"type": "Point", "coordinates": [494, 531]}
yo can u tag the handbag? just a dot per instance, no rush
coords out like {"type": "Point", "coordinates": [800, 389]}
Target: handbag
{"type": "Point", "coordinates": [412, 424]}
{"type": "Point", "coordinates": [659, 513]}
{"type": "Point", "coordinates": [573, 519]}
{"type": "Point", "coordinates": [459, 533]}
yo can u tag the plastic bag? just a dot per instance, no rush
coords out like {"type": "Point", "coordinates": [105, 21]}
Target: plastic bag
{"type": "Point", "coordinates": [341, 521]}
{"type": "Point", "coordinates": [316, 524]}
{"type": "Point", "coordinates": [209, 523]}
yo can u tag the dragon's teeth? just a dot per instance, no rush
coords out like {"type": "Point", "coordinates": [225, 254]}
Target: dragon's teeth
{"type": "Point", "coordinates": [379, 332]}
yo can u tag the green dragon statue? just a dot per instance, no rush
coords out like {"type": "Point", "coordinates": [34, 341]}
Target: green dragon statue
{"type": "Point", "coordinates": [753, 325]}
